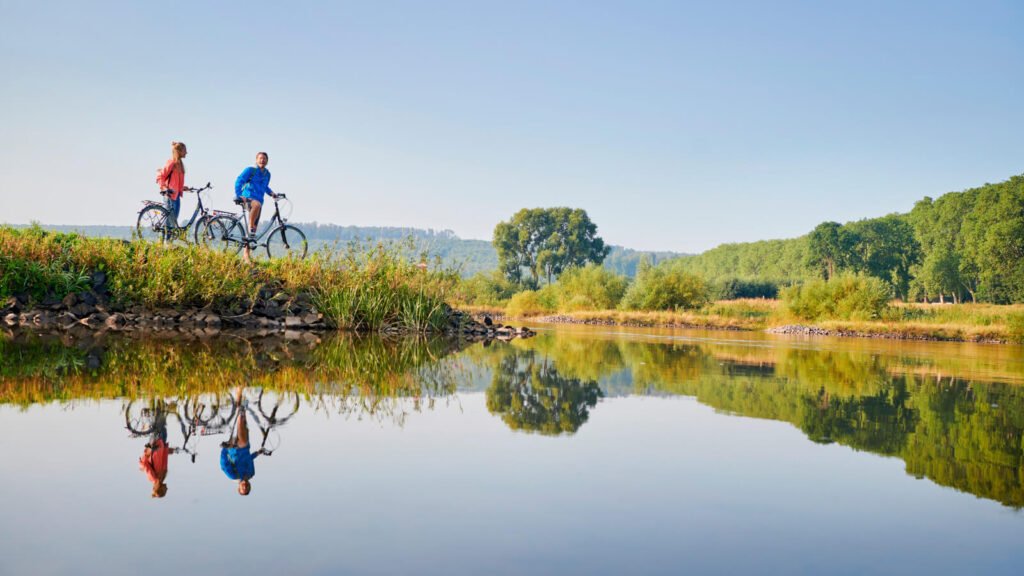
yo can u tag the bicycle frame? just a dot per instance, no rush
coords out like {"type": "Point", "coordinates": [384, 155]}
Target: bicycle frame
{"type": "Point", "coordinates": [270, 223]}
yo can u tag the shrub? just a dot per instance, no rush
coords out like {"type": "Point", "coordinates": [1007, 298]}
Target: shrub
{"type": "Point", "coordinates": [663, 288]}
{"type": "Point", "coordinates": [590, 288]}
{"type": "Point", "coordinates": [1015, 323]}
{"type": "Point", "coordinates": [486, 288]}
{"type": "Point", "coordinates": [526, 303]}
{"type": "Point", "coordinates": [846, 297]}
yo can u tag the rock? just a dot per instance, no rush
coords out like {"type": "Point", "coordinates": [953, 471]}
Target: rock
{"type": "Point", "coordinates": [11, 319]}
{"type": "Point", "coordinates": [94, 320]}
{"type": "Point", "coordinates": [293, 321]}
{"type": "Point", "coordinates": [87, 298]}
{"type": "Point", "coordinates": [292, 335]}
{"type": "Point", "coordinates": [99, 280]}
{"type": "Point", "coordinates": [70, 300]}
{"type": "Point", "coordinates": [310, 319]}
{"type": "Point", "coordinates": [81, 310]}
{"type": "Point", "coordinates": [115, 322]}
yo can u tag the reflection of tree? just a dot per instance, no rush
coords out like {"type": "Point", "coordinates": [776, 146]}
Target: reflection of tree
{"type": "Point", "coordinates": [529, 394]}
{"type": "Point", "coordinates": [879, 422]}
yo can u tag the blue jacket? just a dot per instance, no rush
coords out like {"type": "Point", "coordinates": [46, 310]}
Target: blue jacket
{"type": "Point", "coordinates": [258, 182]}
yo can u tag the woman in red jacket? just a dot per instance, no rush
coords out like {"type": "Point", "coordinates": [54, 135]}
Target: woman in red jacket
{"type": "Point", "coordinates": [172, 179]}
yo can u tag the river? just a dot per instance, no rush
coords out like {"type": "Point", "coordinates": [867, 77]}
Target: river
{"type": "Point", "coordinates": [579, 451]}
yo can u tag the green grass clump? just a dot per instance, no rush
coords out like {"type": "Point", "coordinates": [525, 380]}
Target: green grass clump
{"type": "Point", "coordinates": [355, 288]}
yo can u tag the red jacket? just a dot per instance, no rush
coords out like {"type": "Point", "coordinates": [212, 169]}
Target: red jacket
{"type": "Point", "coordinates": [171, 178]}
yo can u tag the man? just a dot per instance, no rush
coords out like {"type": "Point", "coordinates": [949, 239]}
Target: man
{"type": "Point", "coordinates": [250, 186]}
{"type": "Point", "coordinates": [236, 460]}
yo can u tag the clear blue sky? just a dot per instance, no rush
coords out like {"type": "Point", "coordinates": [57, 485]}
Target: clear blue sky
{"type": "Point", "coordinates": [676, 125]}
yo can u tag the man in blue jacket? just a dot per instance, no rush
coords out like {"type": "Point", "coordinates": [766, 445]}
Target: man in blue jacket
{"type": "Point", "coordinates": [251, 185]}
{"type": "Point", "coordinates": [236, 460]}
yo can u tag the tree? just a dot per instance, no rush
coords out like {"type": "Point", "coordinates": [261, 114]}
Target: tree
{"type": "Point", "coordinates": [830, 248]}
{"type": "Point", "coordinates": [546, 241]}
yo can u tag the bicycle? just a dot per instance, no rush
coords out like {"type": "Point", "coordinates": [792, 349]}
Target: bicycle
{"type": "Point", "coordinates": [155, 222]}
{"type": "Point", "coordinates": [227, 232]}
{"type": "Point", "coordinates": [272, 411]}
{"type": "Point", "coordinates": [196, 417]}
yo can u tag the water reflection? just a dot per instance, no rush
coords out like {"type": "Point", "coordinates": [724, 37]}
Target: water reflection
{"type": "Point", "coordinates": [956, 419]}
{"type": "Point", "coordinates": [529, 394]}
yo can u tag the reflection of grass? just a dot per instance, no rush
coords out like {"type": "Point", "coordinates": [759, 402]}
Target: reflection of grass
{"type": "Point", "coordinates": [39, 370]}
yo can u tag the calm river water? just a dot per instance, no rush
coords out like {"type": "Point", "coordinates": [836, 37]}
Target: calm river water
{"type": "Point", "coordinates": [580, 451]}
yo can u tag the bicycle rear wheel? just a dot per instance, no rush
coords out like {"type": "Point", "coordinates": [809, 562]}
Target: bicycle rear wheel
{"type": "Point", "coordinates": [287, 241]}
{"type": "Point", "coordinates": [223, 233]}
{"type": "Point", "coordinates": [152, 224]}
{"type": "Point", "coordinates": [140, 417]}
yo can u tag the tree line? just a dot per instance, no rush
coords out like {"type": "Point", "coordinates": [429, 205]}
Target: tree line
{"type": "Point", "coordinates": [961, 246]}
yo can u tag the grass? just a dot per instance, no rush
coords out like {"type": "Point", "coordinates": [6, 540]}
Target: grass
{"type": "Point", "coordinates": [354, 287]}
{"type": "Point", "coordinates": [959, 322]}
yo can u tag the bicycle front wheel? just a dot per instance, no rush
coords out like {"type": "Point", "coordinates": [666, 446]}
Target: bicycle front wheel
{"type": "Point", "coordinates": [152, 224]}
{"type": "Point", "coordinates": [287, 241]}
{"type": "Point", "coordinates": [223, 233]}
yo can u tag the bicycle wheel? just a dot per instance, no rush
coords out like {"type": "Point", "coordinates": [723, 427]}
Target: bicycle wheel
{"type": "Point", "coordinates": [139, 417]}
{"type": "Point", "coordinates": [278, 407]}
{"type": "Point", "coordinates": [287, 241]}
{"type": "Point", "coordinates": [152, 224]}
{"type": "Point", "coordinates": [199, 230]}
{"type": "Point", "coordinates": [223, 233]}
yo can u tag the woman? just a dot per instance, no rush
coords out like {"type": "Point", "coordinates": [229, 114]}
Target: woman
{"type": "Point", "coordinates": [171, 179]}
{"type": "Point", "coordinates": [252, 184]}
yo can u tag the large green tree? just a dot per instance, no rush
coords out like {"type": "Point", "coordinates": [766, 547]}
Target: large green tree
{"type": "Point", "coordinates": [542, 242]}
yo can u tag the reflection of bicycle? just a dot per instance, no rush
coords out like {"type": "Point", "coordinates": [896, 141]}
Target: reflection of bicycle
{"type": "Point", "coordinates": [228, 233]}
{"type": "Point", "coordinates": [156, 224]}
{"type": "Point", "coordinates": [202, 415]}
{"type": "Point", "coordinates": [272, 411]}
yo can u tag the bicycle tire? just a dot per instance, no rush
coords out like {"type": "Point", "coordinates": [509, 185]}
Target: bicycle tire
{"type": "Point", "coordinates": [284, 406]}
{"type": "Point", "coordinates": [151, 225]}
{"type": "Point", "coordinates": [287, 241]}
{"type": "Point", "coordinates": [199, 230]}
{"type": "Point", "coordinates": [139, 421]}
{"type": "Point", "coordinates": [225, 234]}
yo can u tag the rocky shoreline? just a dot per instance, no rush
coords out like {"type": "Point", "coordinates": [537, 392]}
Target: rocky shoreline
{"type": "Point", "coordinates": [272, 312]}
{"type": "Point", "coordinates": [566, 319]}
{"type": "Point", "coordinates": [802, 330]}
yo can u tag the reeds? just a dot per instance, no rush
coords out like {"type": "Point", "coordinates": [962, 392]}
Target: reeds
{"type": "Point", "coordinates": [355, 287]}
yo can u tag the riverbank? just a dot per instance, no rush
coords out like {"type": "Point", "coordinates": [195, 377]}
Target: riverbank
{"type": "Point", "coordinates": [985, 323]}
{"type": "Point", "coordinates": [56, 281]}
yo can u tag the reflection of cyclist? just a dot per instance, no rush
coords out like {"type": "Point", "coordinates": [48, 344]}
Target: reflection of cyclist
{"type": "Point", "coordinates": [236, 460]}
{"type": "Point", "coordinates": [154, 457]}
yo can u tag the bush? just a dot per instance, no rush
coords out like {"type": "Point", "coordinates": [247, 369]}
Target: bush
{"type": "Point", "coordinates": [486, 288]}
{"type": "Point", "coordinates": [663, 288]}
{"type": "Point", "coordinates": [1015, 323]}
{"type": "Point", "coordinates": [590, 288]}
{"type": "Point", "coordinates": [846, 297]}
{"type": "Point", "coordinates": [533, 302]}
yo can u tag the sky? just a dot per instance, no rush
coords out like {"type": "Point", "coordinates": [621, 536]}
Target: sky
{"type": "Point", "coordinates": [676, 125]}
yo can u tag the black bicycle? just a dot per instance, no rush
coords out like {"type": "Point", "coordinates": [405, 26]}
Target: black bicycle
{"type": "Point", "coordinates": [227, 232]}
{"type": "Point", "coordinates": [197, 416]}
{"type": "Point", "coordinates": [156, 224]}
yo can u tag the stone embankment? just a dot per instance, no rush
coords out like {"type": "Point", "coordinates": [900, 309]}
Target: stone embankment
{"type": "Point", "coordinates": [610, 321]}
{"type": "Point", "coordinates": [801, 330]}
{"type": "Point", "coordinates": [272, 311]}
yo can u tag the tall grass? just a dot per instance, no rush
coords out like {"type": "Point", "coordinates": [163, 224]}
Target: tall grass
{"type": "Point", "coordinates": [354, 287]}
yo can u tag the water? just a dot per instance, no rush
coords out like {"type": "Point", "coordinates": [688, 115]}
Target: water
{"type": "Point", "coordinates": [580, 451]}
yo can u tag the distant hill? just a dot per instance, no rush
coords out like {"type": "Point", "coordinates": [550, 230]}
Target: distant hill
{"type": "Point", "coordinates": [469, 256]}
